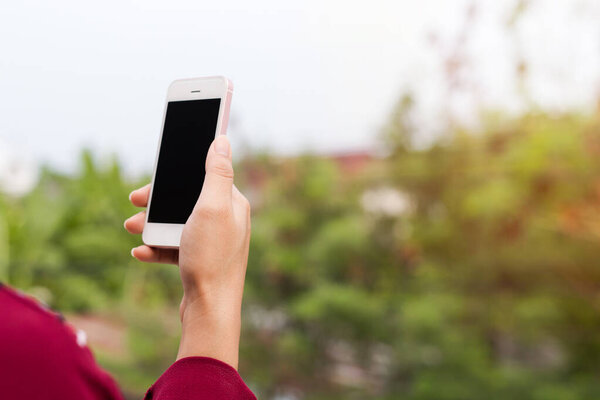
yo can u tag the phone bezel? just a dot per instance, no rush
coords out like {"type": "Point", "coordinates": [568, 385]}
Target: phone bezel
{"type": "Point", "coordinates": [168, 235]}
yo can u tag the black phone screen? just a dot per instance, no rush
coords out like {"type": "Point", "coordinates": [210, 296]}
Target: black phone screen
{"type": "Point", "coordinates": [188, 132]}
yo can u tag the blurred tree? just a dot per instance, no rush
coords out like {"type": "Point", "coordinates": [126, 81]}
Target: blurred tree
{"type": "Point", "coordinates": [465, 270]}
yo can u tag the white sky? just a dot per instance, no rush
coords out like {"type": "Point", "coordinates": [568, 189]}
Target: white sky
{"type": "Point", "coordinates": [313, 74]}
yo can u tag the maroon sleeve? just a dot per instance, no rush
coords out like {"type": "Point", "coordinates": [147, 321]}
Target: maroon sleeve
{"type": "Point", "coordinates": [200, 378]}
{"type": "Point", "coordinates": [42, 357]}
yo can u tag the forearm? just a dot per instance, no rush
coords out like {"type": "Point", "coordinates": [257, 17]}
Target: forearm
{"type": "Point", "coordinates": [210, 327]}
{"type": "Point", "coordinates": [208, 353]}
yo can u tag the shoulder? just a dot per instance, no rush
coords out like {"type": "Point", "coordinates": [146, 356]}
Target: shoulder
{"type": "Point", "coordinates": [28, 327]}
{"type": "Point", "coordinates": [40, 351]}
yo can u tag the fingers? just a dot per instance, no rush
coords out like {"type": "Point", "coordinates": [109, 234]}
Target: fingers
{"type": "Point", "coordinates": [139, 197]}
{"type": "Point", "coordinates": [135, 224]}
{"type": "Point", "coordinates": [216, 191]}
{"type": "Point", "coordinates": [156, 255]}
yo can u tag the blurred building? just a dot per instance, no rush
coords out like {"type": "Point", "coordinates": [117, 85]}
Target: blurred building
{"type": "Point", "coordinates": [382, 200]}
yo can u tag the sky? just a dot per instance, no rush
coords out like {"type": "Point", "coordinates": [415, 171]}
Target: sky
{"type": "Point", "coordinates": [314, 75]}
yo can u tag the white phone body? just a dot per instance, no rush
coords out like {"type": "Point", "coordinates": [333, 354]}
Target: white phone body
{"type": "Point", "coordinates": [168, 235]}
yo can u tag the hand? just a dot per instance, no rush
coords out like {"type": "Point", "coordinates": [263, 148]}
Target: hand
{"type": "Point", "coordinates": [212, 260]}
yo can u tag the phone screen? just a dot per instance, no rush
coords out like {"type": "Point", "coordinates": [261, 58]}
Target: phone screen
{"type": "Point", "coordinates": [188, 132]}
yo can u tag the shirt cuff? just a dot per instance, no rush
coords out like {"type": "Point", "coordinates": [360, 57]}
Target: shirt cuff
{"type": "Point", "coordinates": [199, 378]}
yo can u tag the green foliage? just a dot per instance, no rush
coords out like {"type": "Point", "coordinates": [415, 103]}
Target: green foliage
{"type": "Point", "coordinates": [485, 286]}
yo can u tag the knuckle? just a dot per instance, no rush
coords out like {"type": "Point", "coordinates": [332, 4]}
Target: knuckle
{"type": "Point", "coordinates": [211, 210]}
{"type": "Point", "coordinates": [242, 205]}
{"type": "Point", "coordinates": [222, 168]}
{"type": "Point", "coordinates": [248, 227]}
{"type": "Point", "coordinates": [246, 205]}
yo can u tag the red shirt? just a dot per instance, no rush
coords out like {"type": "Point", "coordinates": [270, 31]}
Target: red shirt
{"type": "Point", "coordinates": [42, 357]}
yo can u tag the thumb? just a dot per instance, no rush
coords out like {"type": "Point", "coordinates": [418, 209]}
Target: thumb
{"type": "Point", "coordinates": [218, 182]}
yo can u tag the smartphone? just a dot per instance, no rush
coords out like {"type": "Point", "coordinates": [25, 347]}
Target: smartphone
{"type": "Point", "coordinates": [197, 110]}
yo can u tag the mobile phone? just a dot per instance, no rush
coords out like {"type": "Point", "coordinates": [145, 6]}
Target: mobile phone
{"type": "Point", "coordinates": [197, 110]}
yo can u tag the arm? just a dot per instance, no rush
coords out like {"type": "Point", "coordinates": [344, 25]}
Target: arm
{"type": "Point", "coordinates": [212, 262]}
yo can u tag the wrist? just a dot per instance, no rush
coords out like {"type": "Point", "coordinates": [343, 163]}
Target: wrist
{"type": "Point", "coordinates": [210, 327]}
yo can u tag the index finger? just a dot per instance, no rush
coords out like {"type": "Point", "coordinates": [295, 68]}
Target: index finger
{"type": "Point", "coordinates": [139, 197]}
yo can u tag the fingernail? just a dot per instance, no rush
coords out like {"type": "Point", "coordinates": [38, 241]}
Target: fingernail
{"type": "Point", "coordinates": [222, 145]}
{"type": "Point", "coordinates": [132, 252]}
{"type": "Point", "coordinates": [130, 194]}
{"type": "Point", "coordinates": [125, 224]}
